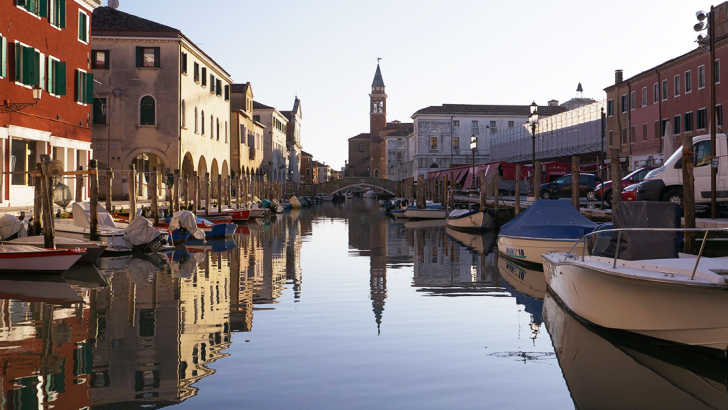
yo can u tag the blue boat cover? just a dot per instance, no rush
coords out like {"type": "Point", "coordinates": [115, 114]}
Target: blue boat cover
{"type": "Point", "coordinates": [549, 219]}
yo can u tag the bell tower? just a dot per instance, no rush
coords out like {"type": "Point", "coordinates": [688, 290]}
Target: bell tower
{"type": "Point", "coordinates": [377, 121]}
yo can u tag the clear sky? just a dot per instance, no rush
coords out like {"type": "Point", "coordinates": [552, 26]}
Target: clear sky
{"type": "Point", "coordinates": [433, 52]}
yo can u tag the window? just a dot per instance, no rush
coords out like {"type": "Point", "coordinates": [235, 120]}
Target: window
{"type": "Point", "coordinates": [717, 71]}
{"type": "Point", "coordinates": [688, 121]}
{"type": "Point", "coordinates": [82, 27]}
{"type": "Point", "coordinates": [719, 115]}
{"type": "Point", "coordinates": [147, 111]}
{"type": "Point", "coordinates": [664, 90]}
{"type": "Point", "coordinates": [474, 123]}
{"type": "Point", "coordinates": [84, 87]}
{"type": "Point", "coordinates": [361, 147]}
{"type": "Point", "coordinates": [197, 129]}
{"type": "Point", "coordinates": [99, 111]}
{"type": "Point", "coordinates": [688, 81]}
{"type": "Point", "coordinates": [633, 135]}
{"type": "Point", "coordinates": [511, 124]}
{"type": "Point", "coordinates": [610, 108]}
{"type": "Point", "coordinates": [624, 136]}
{"type": "Point", "coordinates": [183, 115]}
{"type": "Point", "coordinates": [456, 143]}
{"type": "Point", "coordinates": [611, 138]}
{"type": "Point", "coordinates": [212, 128]}
{"type": "Point", "coordinates": [623, 103]}
{"type": "Point", "coordinates": [202, 121]}
{"type": "Point", "coordinates": [677, 85]}
{"type": "Point", "coordinates": [644, 96]}
{"type": "Point", "coordinates": [147, 56]}
{"type": "Point", "coordinates": [204, 76]}
{"type": "Point", "coordinates": [227, 92]}
{"type": "Point", "coordinates": [492, 124]}
{"type": "Point", "coordinates": [644, 132]}
{"type": "Point", "coordinates": [702, 154]}
{"type": "Point", "coordinates": [27, 65]}
{"type": "Point", "coordinates": [456, 123]}
{"type": "Point", "coordinates": [22, 159]}
{"type": "Point", "coordinates": [633, 100]}
{"type": "Point", "coordinates": [655, 93]}
{"type": "Point", "coordinates": [196, 72]}
{"type": "Point", "coordinates": [217, 129]}
{"type": "Point", "coordinates": [56, 77]}
{"type": "Point", "coordinates": [702, 119]}
{"type": "Point", "coordinates": [3, 57]}
{"type": "Point", "coordinates": [218, 87]}
{"type": "Point", "coordinates": [433, 142]}
{"type": "Point", "coordinates": [701, 77]}
{"type": "Point", "coordinates": [183, 63]}
{"type": "Point", "coordinates": [100, 59]}
{"type": "Point", "coordinates": [676, 124]}
{"type": "Point", "coordinates": [212, 84]}
{"type": "Point", "coordinates": [56, 13]}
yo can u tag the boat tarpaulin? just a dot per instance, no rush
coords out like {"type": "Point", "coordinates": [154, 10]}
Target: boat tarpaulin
{"type": "Point", "coordinates": [639, 245]}
{"type": "Point", "coordinates": [10, 225]}
{"type": "Point", "coordinates": [141, 231]}
{"type": "Point", "coordinates": [187, 220]}
{"type": "Point", "coordinates": [82, 216]}
{"type": "Point", "coordinates": [549, 219]}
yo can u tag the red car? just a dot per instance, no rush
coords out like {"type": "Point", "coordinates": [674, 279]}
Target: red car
{"type": "Point", "coordinates": [629, 194]}
{"type": "Point", "coordinates": [633, 178]}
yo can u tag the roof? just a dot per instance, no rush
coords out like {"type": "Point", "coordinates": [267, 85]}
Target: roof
{"type": "Point", "coordinates": [399, 133]}
{"type": "Point", "coordinates": [239, 88]}
{"type": "Point", "coordinates": [288, 115]}
{"type": "Point", "coordinates": [306, 154]}
{"type": "Point", "coordinates": [514, 110]}
{"type": "Point", "coordinates": [259, 106]}
{"type": "Point", "coordinates": [378, 80]}
{"type": "Point", "coordinates": [361, 136]}
{"type": "Point", "coordinates": [399, 126]}
{"type": "Point", "coordinates": [108, 19]}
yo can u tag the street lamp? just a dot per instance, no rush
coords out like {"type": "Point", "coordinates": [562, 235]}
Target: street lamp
{"type": "Point", "coordinates": [533, 120]}
{"type": "Point", "coordinates": [707, 43]}
{"type": "Point", "coordinates": [9, 107]}
{"type": "Point", "coordinates": [473, 147]}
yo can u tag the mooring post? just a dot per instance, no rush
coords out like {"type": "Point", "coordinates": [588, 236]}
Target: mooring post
{"type": "Point", "coordinates": [483, 193]}
{"type": "Point", "coordinates": [132, 192]}
{"type": "Point", "coordinates": [79, 185]}
{"type": "Point", "coordinates": [575, 188]}
{"type": "Point", "coordinates": [198, 190]}
{"type": "Point", "coordinates": [186, 190]}
{"type": "Point", "coordinates": [207, 194]}
{"type": "Point", "coordinates": [107, 189]}
{"type": "Point", "coordinates": [38, 203]}
{"type": "Point", "coordinates": [93, 184]}
{"type": "Point", "coordinates": [193, 192]}
{"type": "Point", "coordinates": [176, 193]}
{"type": "Point", "coordinates": [688, 165]}
{"type": "Point", "coordinates": [496, 192]}
{"type": "Point", "coordinates": [616, 180]}
{"type": "Point", "coordinates": [47, 198]}
{"type": "Point", "coordinates": [219, 193]}
{"type": "Point", "coordinates": [444, 199]}
{"type": "Point", "coordinates": [155, 196]}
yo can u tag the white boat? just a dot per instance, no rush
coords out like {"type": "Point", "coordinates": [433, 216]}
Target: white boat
{"type": "Point", "coordinates": [470, 219]}
{"type": "Point", "coordinates": [348, 195]}
{"type": "Point", "coordinates": [34, 260]}
{"type": "Point", "coordinates": [93, 249]}
{"type": "Point", "coordinates": [369, 193]}
{"type": "Point", "coordinates": [546, 226]}
{"type": "Point", "coordinates": [434, 211]}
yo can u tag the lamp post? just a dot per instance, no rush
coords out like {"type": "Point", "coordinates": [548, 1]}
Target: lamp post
{"type": "Point", "coordinates": [708, 44]}
{"type": "Point", "coordinates": [473, 146]}
{"type": "Point", "coordinates": [9, 107]}
{"type": "Point", "coordinates": [533, 120]}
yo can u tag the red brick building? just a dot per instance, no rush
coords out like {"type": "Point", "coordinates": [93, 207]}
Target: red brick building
{"type": "Point", "coordinates": [675, 92]}
{"type": "Point", "coordinates": [44, 44]}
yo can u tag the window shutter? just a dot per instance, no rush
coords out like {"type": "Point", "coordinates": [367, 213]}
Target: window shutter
{"type": "Point", "coordinates": [18, 60]}
{"type": "Point", "coordinates": [212, 84]}
{"type": "Point", "coordinates": [51, 73]}
{"type": "Point", "coordinates": [62, 14]}
{"type": "Point", "coordinates": [156, 56]}
{"type": "Point", "coordinates": [60, 79]}
{"type": "Point", "coordinates": [227, 93]}
{"type": "Point", "coordinates": [79, 86]}
{"type": "Point", "coordinates": [41, 71]}
{"type": "Point", "coordinates": [3, 57]}
{"type": "Point", "coordinates": [106, 59]}
{"type": "Point", "coordinates": [89, 88]}
{"type": "Point", "coordinates": [35, 69]}
{"type": "Point", "coordinates": [139, 56]}
{"type": "Point", "coordinates": [218, 87]}
{"type": "Point", "coordinates": [28, 57]}
{"type": "Point", "coordinates": [43, 8]}
{"type": "Point", "coordinates": [184, 63]}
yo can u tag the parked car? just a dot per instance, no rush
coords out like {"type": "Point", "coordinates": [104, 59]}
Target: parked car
{"type": "Point", "coordinates": [561, 187]}
{"type": "Point", "coordinates": [665, 183]}
{"type": "Point", "coordinates": [629, 194]}
{"type": "Point", "coordinates": [634, 177]}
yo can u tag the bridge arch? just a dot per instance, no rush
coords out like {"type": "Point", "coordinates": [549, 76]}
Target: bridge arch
{"type": "Point", "coordinates": [336, 185]}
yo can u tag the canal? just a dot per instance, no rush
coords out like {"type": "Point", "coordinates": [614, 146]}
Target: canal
{"type": "Point", "coordinates": [327, 308]}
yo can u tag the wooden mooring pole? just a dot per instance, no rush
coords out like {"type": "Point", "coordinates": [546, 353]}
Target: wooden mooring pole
{"type": "Point", "coordinates": [132, 192]}
{"type": "Point", "coordinates": [93, 185]}
{"type": "Point", "coordinates": [207, 194]}
{"type": "Point", "coordinates": [688, 203]}
{"type": "Point", "coordinates": [107, 188]}
{"type": "Point", "coordinates": [155, 196]}
{"type": "Point", "coordinates": [47, 198]}
{"type": "Point", "coordinates": [175, 199]}
{"type": "Point", "coordinates": [79, 185]}
{"type": "Point", "coordinates": [38, 203]}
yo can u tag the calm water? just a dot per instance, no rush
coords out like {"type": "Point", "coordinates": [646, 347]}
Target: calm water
{"type": "Point", "coordinates": [326, 308]}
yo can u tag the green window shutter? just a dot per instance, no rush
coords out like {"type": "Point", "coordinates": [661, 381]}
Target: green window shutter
{"type": "Point", "coordinates": [62, 13]}
{"type": "Point", "coordinates": [51, 72]}
{"type": "Point", "coordinates": [43, 8]}
{"type": "Point", "coordinates": [89, 88]}
{"type": "Point", "coordinates": [140, 56]}
{"type": "Point", "coordinates": [28, 57]}
{"type": "Point", "coordinates": [3, 57]}
{"type": "Point", "coordinates": [60, 80]}
{"type": "Point", "coordinates": [35, 77]}
{"type": "Point", "coordinates": [79, 86]}
{"type": "Point", "coordinates": [18, 61]}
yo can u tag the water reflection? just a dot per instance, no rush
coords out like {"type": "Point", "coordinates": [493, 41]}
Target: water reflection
{"type": "Point", "coordinates": [614, 370]}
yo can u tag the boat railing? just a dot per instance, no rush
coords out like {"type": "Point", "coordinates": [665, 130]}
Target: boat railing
{"type": "Point", "coordinates": [619, 239]}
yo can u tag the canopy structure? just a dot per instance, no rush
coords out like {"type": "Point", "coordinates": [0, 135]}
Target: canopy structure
{"type": "Point", "coordinates": [549, 219]}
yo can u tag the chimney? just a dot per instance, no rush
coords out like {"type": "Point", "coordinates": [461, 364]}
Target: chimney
{"type": "Point", "coordinates": [554, 103]}
{"type": "Point", "coordinates": [617, 76]}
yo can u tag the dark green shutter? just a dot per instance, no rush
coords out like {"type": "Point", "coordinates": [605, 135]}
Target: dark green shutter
{"type": "Point", "coordinates": [28, 72]}
{"type": "Point", "coordinates": [140, 56]}
{"type": "Point", "coordinates": [21, 3]}
{"type": "Point", "coordinates": [35, 69]}
{"type": "Point", "coordinates": [156, 56]}
{"type": "Point", "coordinates": [62, 14]}
{"type": "Point", "coordinates": [60, 79]}
{"type": "Point", "coordinates": [43, 8]}
{"type": "Point", "coordinates": [89, 88]}
{"type": "Point", "coordinates": [18, 61]}
{"type": "Point", "coordinates": [79, 86]}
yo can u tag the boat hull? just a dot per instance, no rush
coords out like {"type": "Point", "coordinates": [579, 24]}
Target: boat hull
{"type": "Point", "coordinates": [115, 241]}
{"type": "Point", "coordinates": [687, 314]}
{"type": "Point", "coordinates": [425, 213]}
{"type": "Point", "coordinates": [37, 261]}
{"type": "Point", "coordinates": [220, 230]}
{"type": "Point", "coordinates": [477, 220]}
{"type": "Point", "coordinates": [530, 249]}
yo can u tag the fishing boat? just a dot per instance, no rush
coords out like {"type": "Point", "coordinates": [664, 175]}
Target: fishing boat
{"type": "Point", "coordinates": [33, 260]}
{"type": "Point", "coordinates": [641, 284]}
{"type": "Point", "coordinates": [431, 211]}
{"type": "Point", "coordinates": [545, 226]}
{"type": "Point", "coordinates": [93, 249]}
{"type": "Point", "coordinates": [470, 219]}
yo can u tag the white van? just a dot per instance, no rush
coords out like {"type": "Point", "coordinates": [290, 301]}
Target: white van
{"type": "Point", "coordinates": [666, 183]}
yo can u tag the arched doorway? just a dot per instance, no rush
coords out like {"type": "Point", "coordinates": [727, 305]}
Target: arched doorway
{"type": "Point", "coordinates": [144, 164]}
{"type": "Point", "coordinates": [188, 165]}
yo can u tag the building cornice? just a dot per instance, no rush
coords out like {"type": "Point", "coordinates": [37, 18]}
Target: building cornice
{"type": "Point", "coordinates": [89, 5]}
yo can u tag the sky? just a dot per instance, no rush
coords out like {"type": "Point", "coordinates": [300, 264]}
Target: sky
{"type": "Point", "coordinates": [433, 52]}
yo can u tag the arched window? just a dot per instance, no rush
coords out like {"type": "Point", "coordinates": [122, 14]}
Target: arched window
{"type": "Point", "coordinates": [183, 115]}
{"type": "Point", "coordinates": [376, 173]}
{"type": "Point", "coordinates": [197, 123]}
{"type": "Point", "coordinates": [147, 111]}
{"type": "Point", "coordinates": [217, 129]}
{"type": "Point", "coordinates": [202, 120]}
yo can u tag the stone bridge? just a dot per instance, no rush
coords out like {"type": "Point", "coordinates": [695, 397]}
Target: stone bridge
{"type": "Point", "coordinates": [343, 184]}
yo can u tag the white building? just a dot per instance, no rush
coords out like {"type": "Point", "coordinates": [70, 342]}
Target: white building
{"type": "Point", "coordinates": [275, 153]}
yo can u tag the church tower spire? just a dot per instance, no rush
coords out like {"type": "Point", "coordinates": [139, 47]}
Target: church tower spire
{"type": "Point", "coordinates": [377, 121]}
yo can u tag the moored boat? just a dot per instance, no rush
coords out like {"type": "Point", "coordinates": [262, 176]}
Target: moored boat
{"type": "Point", "coordinates": [546, 226]}
{"type": "Point", "coordinates": [34, 260]}
{"type": "Point", "coordinates": [431, 211]}
{"type": "Point", "coordinates": [470, 219]}
{"type": "Point", "coordinates": [93, 249]}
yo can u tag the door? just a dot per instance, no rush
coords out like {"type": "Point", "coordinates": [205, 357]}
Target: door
{"type": "Point", "coordinates": [563, 187]}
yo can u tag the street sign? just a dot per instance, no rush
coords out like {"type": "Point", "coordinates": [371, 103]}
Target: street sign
{"type": "Point", "coordinates": [715, 163]}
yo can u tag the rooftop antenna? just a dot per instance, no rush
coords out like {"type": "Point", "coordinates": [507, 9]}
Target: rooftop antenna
{"type": "Point", "coordinates": [114, 4]}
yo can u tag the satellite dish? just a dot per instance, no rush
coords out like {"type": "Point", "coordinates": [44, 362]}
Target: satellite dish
{"type": "Point", "coordinates": [114, 4]}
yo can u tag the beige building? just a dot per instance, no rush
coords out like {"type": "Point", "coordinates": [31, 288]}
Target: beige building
{"type": "Point", "coordinates": [166, 102]}
{"type": "Point", "coordinates": [275, 152]}
{"type": "Point", "coordinates": [246, 148]}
